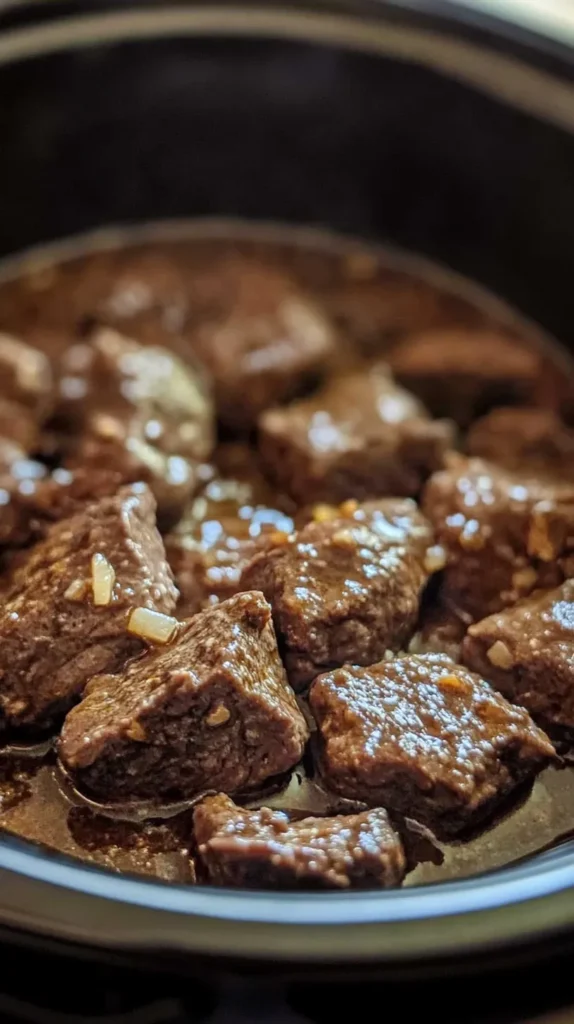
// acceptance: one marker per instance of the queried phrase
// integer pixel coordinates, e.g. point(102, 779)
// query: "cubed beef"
point(361, 436)
point(462, 373)
point(25, 377)
point(424, 737)
point(138, 410)
point(260, 339)
point(20, 479)
point(528, 653)
point(528, 439)
point(57, 627)
point(212, 710)
point(504, 534)
point(345, 589)
point(223, 526)
point(263, 849)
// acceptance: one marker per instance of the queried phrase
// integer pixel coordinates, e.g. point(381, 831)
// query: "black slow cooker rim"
point(48, 893)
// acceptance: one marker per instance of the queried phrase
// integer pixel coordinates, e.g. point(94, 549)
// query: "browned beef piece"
point(25, 381)
point(140, 411)
point(528, 439)
point(528, 653)
point(53, 636)
point(20, 480)
point(212, 710)
point(462, 373)
point(504, 533)
point(263, 849)
point(223, 527)
point(346, 589)
point(361, 436)
point(426, 738)
point(258, 336)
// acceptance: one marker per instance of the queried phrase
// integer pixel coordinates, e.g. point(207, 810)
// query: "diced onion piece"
point(218, 716)
point(152, 626)
point(435, 558)
point(103, 579)
point(499, 655)
point(76, 591)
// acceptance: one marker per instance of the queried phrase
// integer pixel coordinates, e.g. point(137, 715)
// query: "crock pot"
point(438, 127)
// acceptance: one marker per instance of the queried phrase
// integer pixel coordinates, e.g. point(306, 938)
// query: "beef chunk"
point(504, 533)
point(212, 710)
point(528, 439)
point(426, 738)
point(260, 339)
point(361, 436)
point(25, 377)
point(345, 589)
point(138, 410)
point(462, 373)
point(20, 479)
point(263, 849)
point(223, 527)
point(53, 635)
point(528, 653)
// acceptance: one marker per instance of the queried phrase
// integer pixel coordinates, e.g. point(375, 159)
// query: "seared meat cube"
point(527, 652)
point(25, 379)
point(528, 439)
point(260, 339)
point(426, 738)
point(346, 589)
point(504, 533)
point(462, 373)
point(361, 436)
point(138, 410)
point(66, 611)
point(212, 710)
point(224, 525)
point(20, 479)
point(263, 849)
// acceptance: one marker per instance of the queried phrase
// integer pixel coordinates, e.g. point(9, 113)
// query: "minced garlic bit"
point(136, 732)
point(325, 513)
point(539, 544)
point(219, 716)
point(452, 682)
point(348, 508)
point(435, 558)
point(524, 579)
point(152, 626)
point(499, 655)
point(103, 579)
point(76, 591)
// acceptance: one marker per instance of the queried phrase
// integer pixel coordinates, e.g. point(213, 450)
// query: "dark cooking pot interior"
point(297, 132)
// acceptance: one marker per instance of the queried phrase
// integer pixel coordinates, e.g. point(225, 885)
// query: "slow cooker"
point(446, 129)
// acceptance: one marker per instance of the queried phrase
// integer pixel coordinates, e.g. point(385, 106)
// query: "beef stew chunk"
point(140, 411)
point(26, 390)
point(345, 589)
point(462, 373)
point(527, 652)
point(528, 439)
point(211, 710)
point(361, 436)
point(258, 336)
point(264, 849)
point(520, 527)
point(231, 515)
point(426, 738)
point(60, 625)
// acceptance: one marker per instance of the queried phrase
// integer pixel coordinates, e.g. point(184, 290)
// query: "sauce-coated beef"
point(211, 710)
point(345, 589)
point(424, 737)
point(361, 436)
point(264, 849)
point(53, 637)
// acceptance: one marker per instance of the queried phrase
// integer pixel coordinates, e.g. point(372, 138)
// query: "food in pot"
point(270, 617)
point(263, 848)
point(425, 738)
